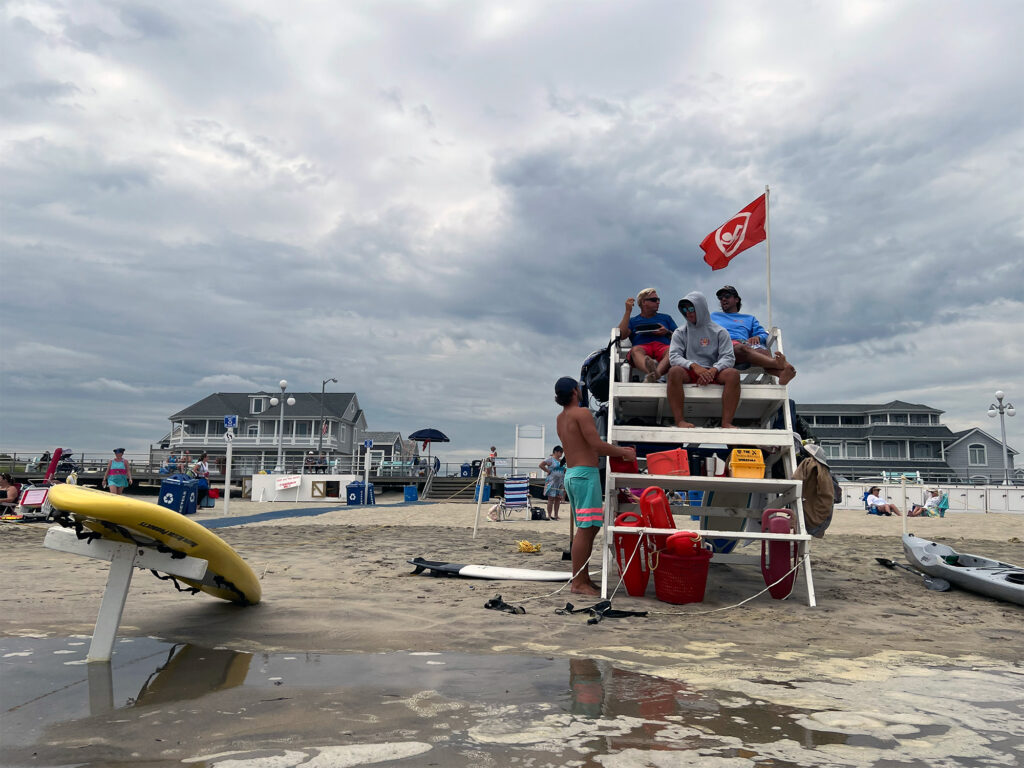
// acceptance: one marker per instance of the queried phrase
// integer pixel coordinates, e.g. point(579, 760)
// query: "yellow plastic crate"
point(746, 462)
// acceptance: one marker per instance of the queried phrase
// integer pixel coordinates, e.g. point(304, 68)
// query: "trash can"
point(465, 471)
point(357, 494)
point(484, 490)
point(180, 493)
point(411, 493)
point(475, 471)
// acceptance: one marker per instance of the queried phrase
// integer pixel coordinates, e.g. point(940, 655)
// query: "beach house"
point(865, 441)
point(200, 427)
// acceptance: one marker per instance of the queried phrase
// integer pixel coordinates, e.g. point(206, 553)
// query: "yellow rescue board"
point(120, 518)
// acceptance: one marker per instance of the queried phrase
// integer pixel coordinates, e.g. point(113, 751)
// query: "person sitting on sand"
point(749, 337)
point(930, 508)
point(878, 505)
point(701, 353)
point(9, 493)
point(554, 465)
point(649, 332)
point(583, 446)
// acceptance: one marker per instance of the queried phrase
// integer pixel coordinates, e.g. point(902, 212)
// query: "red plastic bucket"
point(681, 579)
point(636, 575)
point(673, 462)
point(654, 505)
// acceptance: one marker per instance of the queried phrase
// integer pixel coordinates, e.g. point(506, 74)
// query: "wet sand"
point(339, 583)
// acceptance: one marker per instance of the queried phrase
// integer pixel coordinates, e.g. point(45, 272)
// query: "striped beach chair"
point(517, 497)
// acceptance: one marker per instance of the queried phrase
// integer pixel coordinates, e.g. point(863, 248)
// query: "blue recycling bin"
point(466, 471)
point(180, 493)
point(411, 493)
point(484, 491)
point(357, 494)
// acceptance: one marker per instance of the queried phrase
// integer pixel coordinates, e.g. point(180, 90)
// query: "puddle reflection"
point(453, 708)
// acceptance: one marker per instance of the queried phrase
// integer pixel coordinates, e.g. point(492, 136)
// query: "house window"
point(920, 418)
point(253, 430)
point(854, 421)
point(923, 450)
point(832, 450)
point(302, 429)
point(878, 418)
point(342, 430)
point(257, 405)
point(898, 418)
point(891, 449)
point(826, 420)
point(857, 450)
point(976, 455)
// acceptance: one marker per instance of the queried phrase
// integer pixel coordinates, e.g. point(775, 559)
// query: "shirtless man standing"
point(583, 446)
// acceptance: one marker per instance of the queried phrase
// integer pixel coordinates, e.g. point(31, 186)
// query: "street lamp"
point(1001, 409)
point(320, 441)
point(280, 423)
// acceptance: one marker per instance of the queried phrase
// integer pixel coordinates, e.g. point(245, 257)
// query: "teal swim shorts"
point(583, 487)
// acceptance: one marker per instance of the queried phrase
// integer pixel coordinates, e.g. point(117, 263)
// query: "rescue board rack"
point(761, 400)
point(124, 558)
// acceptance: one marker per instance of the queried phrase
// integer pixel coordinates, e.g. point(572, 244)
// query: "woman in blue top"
point(554, 486)
point(119, 473)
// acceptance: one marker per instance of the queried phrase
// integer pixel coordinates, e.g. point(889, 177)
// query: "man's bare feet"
point(729, 426)
point(586, 588)
point(684, 425)
point(787, 375)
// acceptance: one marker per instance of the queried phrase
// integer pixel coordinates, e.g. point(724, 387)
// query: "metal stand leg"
point(120, 579)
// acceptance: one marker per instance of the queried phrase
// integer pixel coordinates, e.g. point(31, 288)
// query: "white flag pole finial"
point(768, 240)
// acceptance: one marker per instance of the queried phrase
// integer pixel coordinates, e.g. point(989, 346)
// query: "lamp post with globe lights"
point(320, 440)
point(280, 423)
point(1008, 410)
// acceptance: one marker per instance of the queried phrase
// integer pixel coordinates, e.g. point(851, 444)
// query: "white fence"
point(962, 498)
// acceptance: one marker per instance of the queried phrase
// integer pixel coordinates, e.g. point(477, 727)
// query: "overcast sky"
point(445, 204)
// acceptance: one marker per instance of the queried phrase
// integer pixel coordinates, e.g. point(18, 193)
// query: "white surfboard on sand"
point(494, 572)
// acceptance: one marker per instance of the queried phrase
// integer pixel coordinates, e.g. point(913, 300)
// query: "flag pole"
point(768, 240)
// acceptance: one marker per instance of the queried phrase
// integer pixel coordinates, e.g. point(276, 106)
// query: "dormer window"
point(257, 404)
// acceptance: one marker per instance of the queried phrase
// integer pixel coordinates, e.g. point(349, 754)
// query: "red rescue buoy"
point(654, 505)
point(631, 558)
point(778, 558)
point(684, 543)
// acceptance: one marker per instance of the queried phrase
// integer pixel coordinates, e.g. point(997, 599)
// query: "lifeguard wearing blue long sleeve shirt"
point(749, 338)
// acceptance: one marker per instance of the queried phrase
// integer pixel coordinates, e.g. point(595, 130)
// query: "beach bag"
point(536, 513)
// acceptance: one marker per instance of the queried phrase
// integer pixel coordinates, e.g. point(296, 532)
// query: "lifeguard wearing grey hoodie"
point(705, 343)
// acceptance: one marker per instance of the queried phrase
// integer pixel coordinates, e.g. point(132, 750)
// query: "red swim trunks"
point(689, 377)
point(654, 349)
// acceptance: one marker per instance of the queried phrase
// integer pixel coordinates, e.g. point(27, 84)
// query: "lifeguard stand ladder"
point(760, 401)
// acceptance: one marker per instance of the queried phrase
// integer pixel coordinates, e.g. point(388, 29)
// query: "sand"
point(875, 660)
point(339, 582)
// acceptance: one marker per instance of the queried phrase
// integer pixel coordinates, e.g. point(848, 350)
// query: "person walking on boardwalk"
point(701, 353)
point(119, 473)
point(583, 446)
point(649, 333)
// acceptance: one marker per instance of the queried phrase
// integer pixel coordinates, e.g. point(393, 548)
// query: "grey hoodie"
point(706, 343)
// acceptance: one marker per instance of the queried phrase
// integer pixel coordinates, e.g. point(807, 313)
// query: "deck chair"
point(517, 497)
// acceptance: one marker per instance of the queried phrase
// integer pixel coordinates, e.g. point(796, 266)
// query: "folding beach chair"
point(517, 497)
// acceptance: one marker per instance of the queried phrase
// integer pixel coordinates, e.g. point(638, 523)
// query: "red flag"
point(323, 428)
point(740, 232)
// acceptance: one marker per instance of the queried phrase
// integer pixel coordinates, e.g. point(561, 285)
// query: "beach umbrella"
point(428, 436)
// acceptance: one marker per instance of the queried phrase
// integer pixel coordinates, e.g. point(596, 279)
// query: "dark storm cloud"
point(446, 206)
